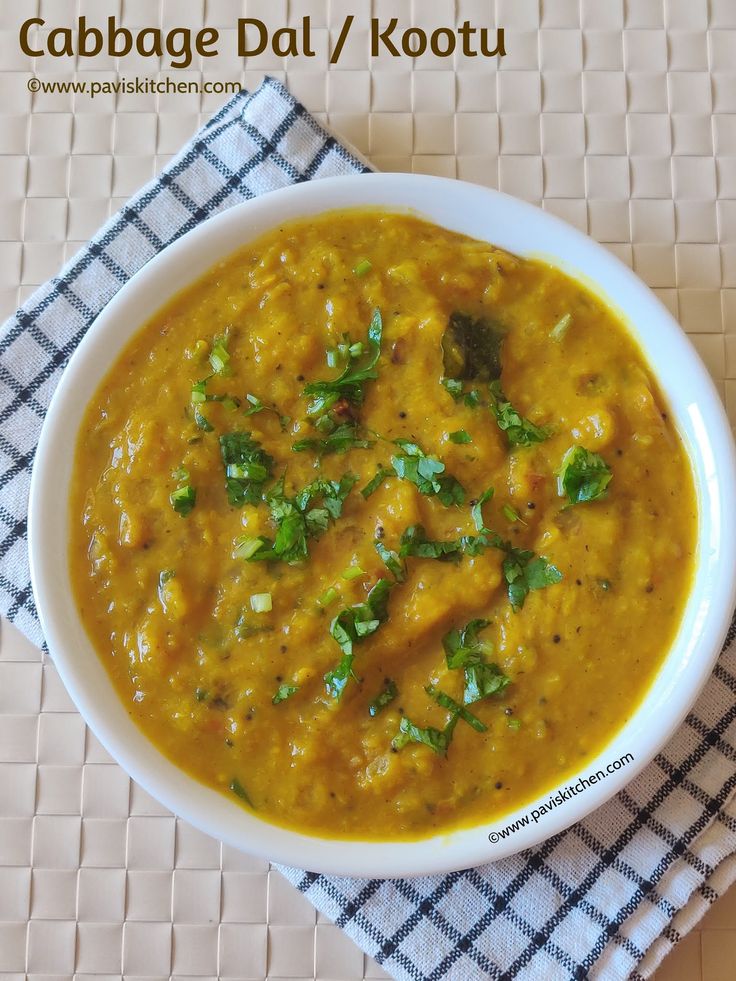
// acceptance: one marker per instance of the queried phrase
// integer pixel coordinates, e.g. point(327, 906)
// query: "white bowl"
point(522, 229)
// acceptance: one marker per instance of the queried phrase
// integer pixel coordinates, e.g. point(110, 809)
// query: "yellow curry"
point(381, 530)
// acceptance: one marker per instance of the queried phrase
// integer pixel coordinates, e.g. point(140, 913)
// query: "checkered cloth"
point(606, 898)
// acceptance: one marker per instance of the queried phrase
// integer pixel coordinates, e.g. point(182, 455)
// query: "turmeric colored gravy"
point(348, 634)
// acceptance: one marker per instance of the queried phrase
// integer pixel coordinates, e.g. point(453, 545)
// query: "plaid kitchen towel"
point(608, 897)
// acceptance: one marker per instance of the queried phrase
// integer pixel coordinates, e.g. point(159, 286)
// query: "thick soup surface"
point(310, 599)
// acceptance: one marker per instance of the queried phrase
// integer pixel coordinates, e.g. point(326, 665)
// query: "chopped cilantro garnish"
point(201, 694)
point(363, 267)
point(349, 384)
point(476, 510)
point(183, 499)
point(180, 474)
point(414, 542)
point(256, 405)
point(298, 520)
point(239, 790)
point(460, 436)
point(443, 699)
point(200, 396)
point(454, 386)
point(344, 437)
point(338, 433)
point(482, 680)
point(464, 649)
point(472, 398)
point(329, 596)
point(332, 492)
point(247, 468)
point(219, 356)
point(384, 698)
point(283, 692)
point(511, 514)
point(375, 482)
point(463, 646)
point(519, 431)
point(202, 421)
point(352, 572)
point(391, 560)
point(199, 391)
point(438, 740)
point(525, 571)
point(427, 473)
point(353, 625)
point(583, 476)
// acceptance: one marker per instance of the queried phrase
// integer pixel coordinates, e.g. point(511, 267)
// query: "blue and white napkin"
point(605, 899)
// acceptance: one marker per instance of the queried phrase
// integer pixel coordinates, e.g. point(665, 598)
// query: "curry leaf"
point(471, 348)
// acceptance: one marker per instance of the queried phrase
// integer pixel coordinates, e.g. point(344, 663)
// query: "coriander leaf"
point(583, 476)
point(202, 421)
point(460, 436)
point(219, 356)
point(482, 680)
point(384, 698)
point(427, 473)
point(472, 398)
point(414, 542)
point(525, 571)
point(283, 692)
point(349, 384)
point(519, 431)
point(297, 520)
point(454, 386)
point(183, 499)
point(343, 438)
point(443, 699)
point(332, 492)
point(476, 510)
point(511, 514)
point(256, 405)
point(353, 625)
point(247, 468)
point(375, 482)
point(390, 560)
point(471, 348)
point(451, 491)
point(239, 790)
point(463, 647)
point(438, 740)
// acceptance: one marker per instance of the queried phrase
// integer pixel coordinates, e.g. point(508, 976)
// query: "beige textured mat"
point(619, 117)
